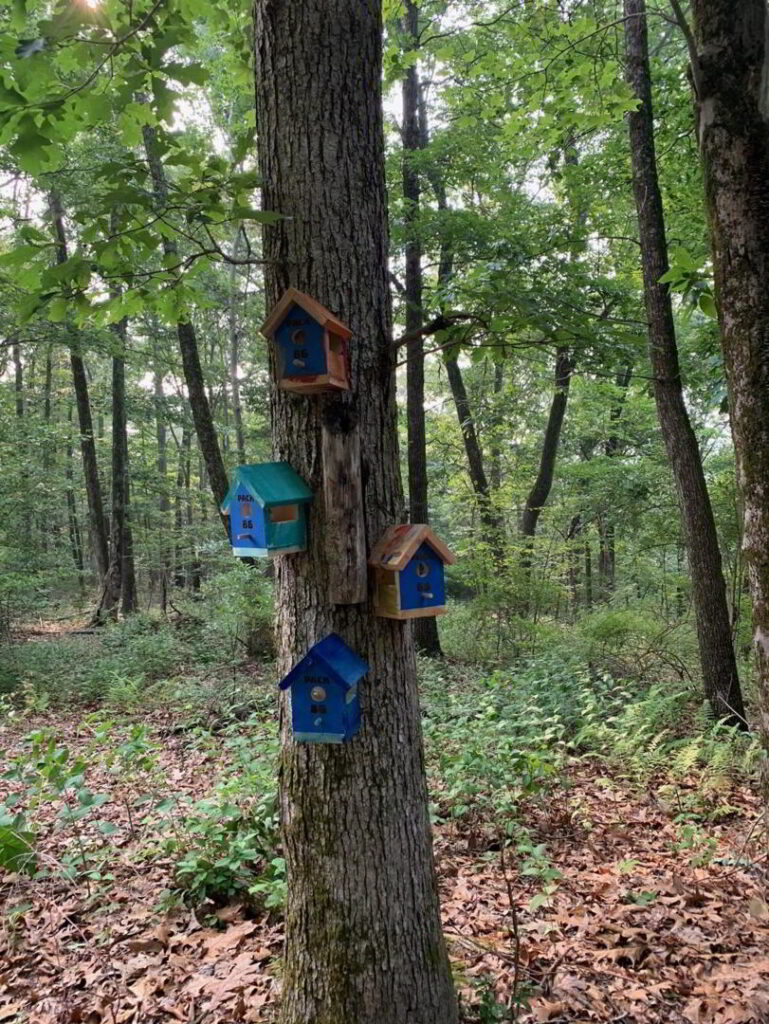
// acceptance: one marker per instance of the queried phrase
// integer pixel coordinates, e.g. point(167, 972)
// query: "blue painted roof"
point(334, 654)
point(271, 483)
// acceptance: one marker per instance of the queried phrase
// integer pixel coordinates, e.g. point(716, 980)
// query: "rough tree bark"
point(363, 935)
point(719, 667)
point(87, 444)
point(188, 344)
point(425, 630)
point(731, 78)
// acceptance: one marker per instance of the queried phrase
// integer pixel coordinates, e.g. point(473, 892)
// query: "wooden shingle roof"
point(319, 313)
point(399, 543)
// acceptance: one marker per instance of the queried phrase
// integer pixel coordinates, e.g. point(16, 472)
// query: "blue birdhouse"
point(325, 704)
point(409, 576)
point(267, 509)
point(310, 345)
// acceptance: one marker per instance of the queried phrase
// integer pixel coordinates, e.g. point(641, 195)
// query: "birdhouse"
point(325, 704)
point(409, 578)
point(267, 509)
point(310, 345)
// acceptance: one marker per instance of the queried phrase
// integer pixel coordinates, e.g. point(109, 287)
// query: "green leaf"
point(708, 305)
point(187, 74)
point(17, 850)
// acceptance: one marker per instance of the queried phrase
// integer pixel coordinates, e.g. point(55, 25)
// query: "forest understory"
point(574, 886)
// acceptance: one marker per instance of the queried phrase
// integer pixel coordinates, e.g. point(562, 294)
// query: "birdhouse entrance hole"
point(284, 513)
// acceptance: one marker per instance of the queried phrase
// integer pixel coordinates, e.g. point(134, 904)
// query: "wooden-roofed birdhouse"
point(325, 703)
point(267, 509)
point(409, 572)
point(310, 345)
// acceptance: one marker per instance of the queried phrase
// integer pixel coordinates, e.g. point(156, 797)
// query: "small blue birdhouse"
point(310, 345)
point(325, 704)
point(409, 576)
point(267, 509)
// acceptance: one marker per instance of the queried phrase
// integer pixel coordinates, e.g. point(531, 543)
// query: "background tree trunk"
point(87, 444)
point(535, 502)
point(188, 345)
point(719, 666)
point(425, 630)
point(363, 936)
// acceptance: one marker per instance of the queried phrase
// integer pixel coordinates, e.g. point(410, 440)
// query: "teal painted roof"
point(271, 483)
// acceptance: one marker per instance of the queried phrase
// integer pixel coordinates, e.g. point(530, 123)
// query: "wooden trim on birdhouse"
point(313, 385)
point(318, 312)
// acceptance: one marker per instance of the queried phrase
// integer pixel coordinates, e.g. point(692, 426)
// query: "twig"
point(514, 933)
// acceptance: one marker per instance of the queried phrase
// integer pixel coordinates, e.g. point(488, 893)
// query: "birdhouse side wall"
point(290, 534)
point(422, 581)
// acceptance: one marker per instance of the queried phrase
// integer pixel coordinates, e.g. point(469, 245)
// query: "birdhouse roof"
point(399, 544)
point(309, 305)
point(271, 483)
point(332, 654)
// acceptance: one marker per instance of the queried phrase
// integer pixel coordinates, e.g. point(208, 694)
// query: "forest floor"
point(621, 912)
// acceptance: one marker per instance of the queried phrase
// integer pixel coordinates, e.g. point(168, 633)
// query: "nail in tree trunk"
point(87, 444)
point(359, 946)
point(188, 344)
point(719, 667)
point(425, 630)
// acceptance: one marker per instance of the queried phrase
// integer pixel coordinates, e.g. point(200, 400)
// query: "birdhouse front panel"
point(247, 526)
point(322, 709)
point(421, 582)
point(301, 345)
point(325, 706)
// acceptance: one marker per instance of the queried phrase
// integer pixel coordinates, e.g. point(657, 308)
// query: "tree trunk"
point(359, 946)
point(490, 519)
point(188, 345)
point(607, 566)
point(425, 630)
point(112, 583)
point(164, 504)
point(237, 409)
point(75, 540)
point(733, 133)
point(540, 492)
point(87, 444)
point(719, 667)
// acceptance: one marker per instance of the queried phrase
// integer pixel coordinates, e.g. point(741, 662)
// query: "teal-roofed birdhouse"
point(310, 345)
point(409, 577)
point(325, 703)
point(267, 508)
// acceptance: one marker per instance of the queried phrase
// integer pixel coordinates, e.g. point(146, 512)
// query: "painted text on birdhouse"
point(325, 703)
point(310, 345)
point(267, 508)
point(408, 563)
